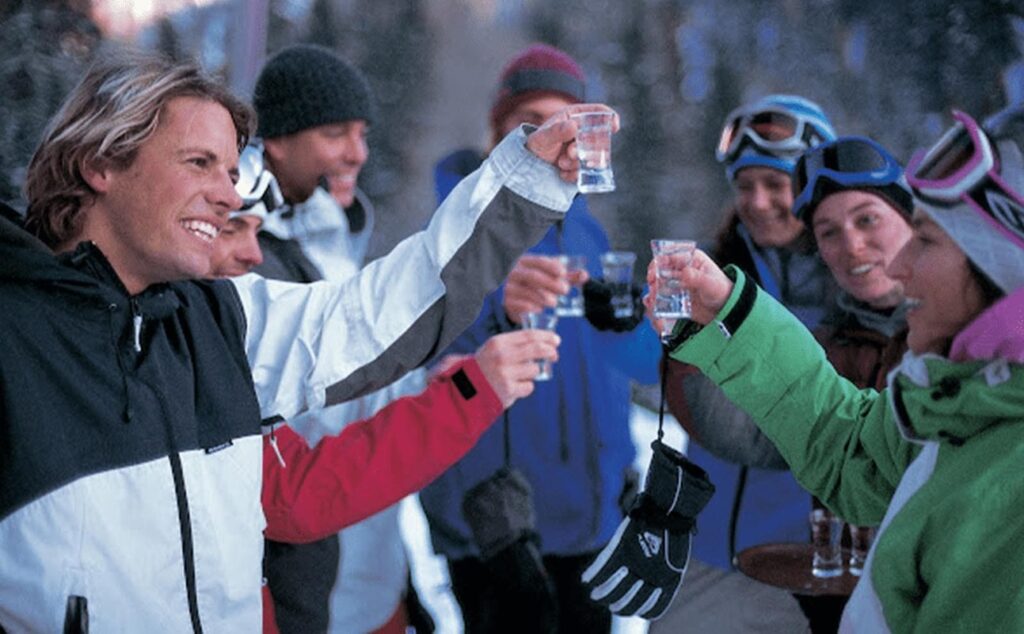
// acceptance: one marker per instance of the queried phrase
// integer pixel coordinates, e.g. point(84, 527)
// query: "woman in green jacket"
point(935, 457)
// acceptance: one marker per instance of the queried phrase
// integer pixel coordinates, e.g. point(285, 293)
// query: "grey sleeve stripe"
point(508, 226)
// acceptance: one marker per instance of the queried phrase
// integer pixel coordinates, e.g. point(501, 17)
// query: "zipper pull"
point(277, 452)
point(76, 615)
point(137, 325)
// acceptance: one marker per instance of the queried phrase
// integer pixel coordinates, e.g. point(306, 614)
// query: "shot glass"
point(594, 146)
point(543, 321)
point(571, 304)
point(826, 535)
point(672, 301)
point(617, 271)
point(860, 543)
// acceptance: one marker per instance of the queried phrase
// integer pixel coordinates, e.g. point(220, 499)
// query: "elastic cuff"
point(531, 177)
point(739, 305)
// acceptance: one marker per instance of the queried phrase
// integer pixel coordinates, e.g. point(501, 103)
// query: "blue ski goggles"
point(850, 162)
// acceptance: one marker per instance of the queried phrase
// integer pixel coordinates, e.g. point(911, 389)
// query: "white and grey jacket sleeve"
point(310, 345)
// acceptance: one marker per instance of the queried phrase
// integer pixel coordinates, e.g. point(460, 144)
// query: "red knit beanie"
point(539, 69)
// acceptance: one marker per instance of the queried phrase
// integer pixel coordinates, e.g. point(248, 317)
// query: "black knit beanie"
point(305, 86)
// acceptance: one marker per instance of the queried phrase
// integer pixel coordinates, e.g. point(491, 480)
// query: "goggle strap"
point(1007, 217)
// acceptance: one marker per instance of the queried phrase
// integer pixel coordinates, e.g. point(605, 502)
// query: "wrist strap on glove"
point(675, 492)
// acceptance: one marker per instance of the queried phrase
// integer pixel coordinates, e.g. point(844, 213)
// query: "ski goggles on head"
point(256, 184)
point(770, 130)
point(848, 162)
point(962, 167)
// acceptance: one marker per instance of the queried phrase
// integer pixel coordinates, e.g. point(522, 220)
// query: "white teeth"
point(862, 269)
point(912, 302)
point(201, 229)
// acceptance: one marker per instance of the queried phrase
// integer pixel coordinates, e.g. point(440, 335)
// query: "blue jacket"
point(571, 437)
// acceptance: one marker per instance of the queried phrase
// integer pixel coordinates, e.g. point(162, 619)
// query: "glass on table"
point(827, 536)
point(860, 543)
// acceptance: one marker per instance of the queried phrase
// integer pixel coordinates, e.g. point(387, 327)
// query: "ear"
point(97, 174)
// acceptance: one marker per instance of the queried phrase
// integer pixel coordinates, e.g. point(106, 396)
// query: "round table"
point(788, 566)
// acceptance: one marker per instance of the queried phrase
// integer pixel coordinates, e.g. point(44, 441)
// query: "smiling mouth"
point(203, 230)
point(342, 180)
point(862, 269)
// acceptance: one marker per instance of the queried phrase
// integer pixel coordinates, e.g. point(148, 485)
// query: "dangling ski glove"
point(500, 513)
point(642, 567)
point(597, 306)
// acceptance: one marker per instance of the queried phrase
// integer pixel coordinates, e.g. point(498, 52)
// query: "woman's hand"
point(709, 286)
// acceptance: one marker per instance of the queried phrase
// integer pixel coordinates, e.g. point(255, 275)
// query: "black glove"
point(642, 567)
point(597, 306)
point(500, 513)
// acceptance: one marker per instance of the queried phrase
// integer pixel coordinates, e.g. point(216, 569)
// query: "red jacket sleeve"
point(373, 463)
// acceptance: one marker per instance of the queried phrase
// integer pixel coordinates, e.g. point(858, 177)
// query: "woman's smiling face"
point(858, 234)
point(937, 280)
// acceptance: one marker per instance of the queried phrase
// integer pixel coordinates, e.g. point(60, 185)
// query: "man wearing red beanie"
point(538, 72)
point(570, 439)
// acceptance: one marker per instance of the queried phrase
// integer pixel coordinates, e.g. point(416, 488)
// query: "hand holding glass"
point(594, 148)
point(671, 301)
point(543, 321)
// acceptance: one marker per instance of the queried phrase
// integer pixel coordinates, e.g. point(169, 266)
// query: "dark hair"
point(990, 291)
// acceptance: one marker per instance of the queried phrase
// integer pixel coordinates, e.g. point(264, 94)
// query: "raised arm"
point(316, 344)
point(840, 442)
point(311, 493)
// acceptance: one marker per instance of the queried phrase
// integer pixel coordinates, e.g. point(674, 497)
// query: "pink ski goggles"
point(963, 167)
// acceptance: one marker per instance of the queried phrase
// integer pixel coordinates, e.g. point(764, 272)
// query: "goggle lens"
point(774, 126)
point(850, 157)
point(847, 162)
point(947, 158)
point(769, 130)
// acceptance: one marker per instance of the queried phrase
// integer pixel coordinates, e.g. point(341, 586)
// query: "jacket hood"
point(997, 333)
point(84, 272)
point(22, 255)
point(934, 398)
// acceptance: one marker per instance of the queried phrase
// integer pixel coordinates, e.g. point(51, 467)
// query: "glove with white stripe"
point(642, 567)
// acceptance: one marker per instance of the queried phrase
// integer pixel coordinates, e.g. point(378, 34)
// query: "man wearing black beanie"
point(314, 111)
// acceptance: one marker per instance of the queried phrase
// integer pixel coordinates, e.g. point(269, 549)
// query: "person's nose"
point(899, 269)
point(224, 196)
point(250, 253)
point(853, 241)
point(354, 150)
point(760, 200)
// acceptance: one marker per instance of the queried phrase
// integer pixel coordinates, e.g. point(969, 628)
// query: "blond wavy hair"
point(106, 118)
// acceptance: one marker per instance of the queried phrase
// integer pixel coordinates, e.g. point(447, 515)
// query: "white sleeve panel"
point(302, 339)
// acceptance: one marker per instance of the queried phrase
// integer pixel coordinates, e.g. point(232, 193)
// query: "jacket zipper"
point(184, 516)
point(187, 550)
